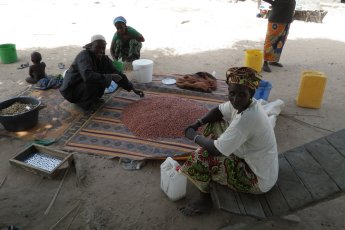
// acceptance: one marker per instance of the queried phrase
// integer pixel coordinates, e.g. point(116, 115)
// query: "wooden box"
point(42, 160)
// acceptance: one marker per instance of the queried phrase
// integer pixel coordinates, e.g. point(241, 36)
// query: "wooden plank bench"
point(307, 174)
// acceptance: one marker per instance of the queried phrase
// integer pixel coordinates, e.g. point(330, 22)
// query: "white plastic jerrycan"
point(173, 183)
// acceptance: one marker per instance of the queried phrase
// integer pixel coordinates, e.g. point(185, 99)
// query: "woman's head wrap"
point(243, 76)
point(120, 19)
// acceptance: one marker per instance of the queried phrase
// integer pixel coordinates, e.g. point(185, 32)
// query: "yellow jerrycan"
point(311, 89)
point(254, 59)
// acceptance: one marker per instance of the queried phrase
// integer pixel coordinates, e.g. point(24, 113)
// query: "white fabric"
point(97, 37)
point(250, 136)
point(272, 109)
point(64, 73)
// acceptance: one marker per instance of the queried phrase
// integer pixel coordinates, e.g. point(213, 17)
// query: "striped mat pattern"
point(105, 134)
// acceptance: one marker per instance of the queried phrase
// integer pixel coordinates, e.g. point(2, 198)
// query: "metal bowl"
point(20, 121)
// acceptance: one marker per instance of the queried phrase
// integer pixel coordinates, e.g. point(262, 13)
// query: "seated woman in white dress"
point(238, 148)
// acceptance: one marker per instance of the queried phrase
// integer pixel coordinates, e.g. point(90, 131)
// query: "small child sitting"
point(37, 70)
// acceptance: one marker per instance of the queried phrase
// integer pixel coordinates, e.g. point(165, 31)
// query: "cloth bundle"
point(113, 86)
point(200, 81)
point(49, 82)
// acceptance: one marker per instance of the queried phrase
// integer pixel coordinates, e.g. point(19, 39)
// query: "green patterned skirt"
point(202, 168)
point(131, 51)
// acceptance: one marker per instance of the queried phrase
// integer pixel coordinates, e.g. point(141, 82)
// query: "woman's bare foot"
point(265, 67)
point(200, 206)
point(276, 64)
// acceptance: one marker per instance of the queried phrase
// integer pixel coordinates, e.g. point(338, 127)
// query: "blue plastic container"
point(263, 91)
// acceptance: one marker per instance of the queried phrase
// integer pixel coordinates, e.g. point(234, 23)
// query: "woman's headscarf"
point(120, 19)
point(243, 76)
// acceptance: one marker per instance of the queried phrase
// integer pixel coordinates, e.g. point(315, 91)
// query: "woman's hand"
point(195, 126)
point(190, 133)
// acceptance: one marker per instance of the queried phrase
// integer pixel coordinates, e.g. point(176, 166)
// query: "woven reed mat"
point(105, 134)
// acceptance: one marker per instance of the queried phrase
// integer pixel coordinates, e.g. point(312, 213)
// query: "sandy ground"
point(181, 37)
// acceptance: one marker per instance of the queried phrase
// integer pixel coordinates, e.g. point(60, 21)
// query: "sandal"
point(22, 66)
point(275, 64)
point(130, 164)
point(61, 65)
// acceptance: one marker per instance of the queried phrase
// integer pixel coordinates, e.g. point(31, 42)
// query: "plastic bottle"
point(173, 183)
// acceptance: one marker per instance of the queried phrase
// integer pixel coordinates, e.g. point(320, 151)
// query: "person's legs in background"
point(121, 52)
point(276, 36)
point(134, 50)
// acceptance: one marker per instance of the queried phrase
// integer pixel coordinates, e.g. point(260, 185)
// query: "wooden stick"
point(64, 216)
point(3, 181)
point(56, 193)
point(75, 215)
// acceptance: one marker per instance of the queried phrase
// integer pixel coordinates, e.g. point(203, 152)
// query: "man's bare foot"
point(276, 64)
point(139, 92)
point(201, 206)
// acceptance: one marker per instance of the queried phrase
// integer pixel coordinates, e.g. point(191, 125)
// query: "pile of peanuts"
point(161, 116)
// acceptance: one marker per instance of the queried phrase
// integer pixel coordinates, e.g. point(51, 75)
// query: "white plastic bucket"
point(173, 183)
point(143, 69)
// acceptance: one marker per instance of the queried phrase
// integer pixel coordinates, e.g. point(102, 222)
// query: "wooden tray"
point(64, 158)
